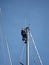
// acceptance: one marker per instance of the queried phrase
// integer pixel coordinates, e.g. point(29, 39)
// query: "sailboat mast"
point(27, 51)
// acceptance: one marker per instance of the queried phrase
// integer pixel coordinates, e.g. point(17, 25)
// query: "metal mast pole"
point(27, 50)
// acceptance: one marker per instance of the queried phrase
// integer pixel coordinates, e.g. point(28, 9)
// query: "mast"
point(25, 38)
point(27, 50)
point(25, 32)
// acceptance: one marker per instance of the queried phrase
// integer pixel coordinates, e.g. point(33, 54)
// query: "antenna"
point(25, 21)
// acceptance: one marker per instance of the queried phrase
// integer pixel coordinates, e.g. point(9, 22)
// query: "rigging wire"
point(36, 49)
point(0, 11)
point(2, 39)
point(33, 56)
point(2, 46)
point(21, 56)
point(34, 59)
point(8, 51)
point(7, 45)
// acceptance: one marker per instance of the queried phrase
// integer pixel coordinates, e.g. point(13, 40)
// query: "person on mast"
point(24, 34)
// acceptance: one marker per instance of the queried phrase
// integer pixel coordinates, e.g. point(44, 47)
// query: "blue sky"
point(12, 20)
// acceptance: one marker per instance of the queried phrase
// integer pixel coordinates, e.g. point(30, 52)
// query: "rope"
point(36, 49)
